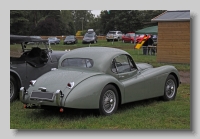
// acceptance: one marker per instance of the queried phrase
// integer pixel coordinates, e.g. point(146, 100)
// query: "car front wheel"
point(13, 89)
point(170, 89)
point(108, 102)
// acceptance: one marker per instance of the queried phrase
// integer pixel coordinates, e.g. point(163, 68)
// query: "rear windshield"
point(89, 35)
point(111, 32)
point(69, 37)
point(77, 62)
point(52, 38)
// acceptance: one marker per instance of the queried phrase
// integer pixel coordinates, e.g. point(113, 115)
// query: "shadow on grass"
point(75, 114)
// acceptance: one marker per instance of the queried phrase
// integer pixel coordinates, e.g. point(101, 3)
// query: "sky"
point(96, 12)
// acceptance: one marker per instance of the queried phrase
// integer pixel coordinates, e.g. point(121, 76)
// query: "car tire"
point(109, 97)
point(107, 40)
point(170, 89)
point(13, 89)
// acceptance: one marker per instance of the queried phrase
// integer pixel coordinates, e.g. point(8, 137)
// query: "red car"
point(128, 37)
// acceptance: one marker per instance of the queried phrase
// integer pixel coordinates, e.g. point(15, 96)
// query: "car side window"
point(122, 64)
point(113, 67)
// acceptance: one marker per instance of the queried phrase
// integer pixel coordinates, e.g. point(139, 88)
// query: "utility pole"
point(82, 22)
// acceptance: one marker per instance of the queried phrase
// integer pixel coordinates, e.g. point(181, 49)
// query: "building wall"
point(173, 42)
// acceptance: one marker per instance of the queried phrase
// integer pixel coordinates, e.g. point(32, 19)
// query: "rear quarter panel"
point(87, 93)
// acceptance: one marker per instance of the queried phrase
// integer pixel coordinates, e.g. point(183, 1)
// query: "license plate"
point(42, 96)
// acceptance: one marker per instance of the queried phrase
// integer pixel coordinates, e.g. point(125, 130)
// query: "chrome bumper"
point(27, 98)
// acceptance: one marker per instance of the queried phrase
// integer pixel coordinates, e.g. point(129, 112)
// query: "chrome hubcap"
point(109, 101)
point(170, 88)
point(11, 89)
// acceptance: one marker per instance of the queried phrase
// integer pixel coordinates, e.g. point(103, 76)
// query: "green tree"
point(126, 20)
point(18, 22)
point(82, 19)
point(68, 23)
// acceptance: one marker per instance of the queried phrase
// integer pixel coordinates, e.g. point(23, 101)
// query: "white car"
point(114, 35)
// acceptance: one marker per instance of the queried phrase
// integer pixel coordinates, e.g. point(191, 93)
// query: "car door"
point(130, 77)
point(126, 37)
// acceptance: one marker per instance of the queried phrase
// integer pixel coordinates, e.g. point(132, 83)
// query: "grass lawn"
point(146, 114)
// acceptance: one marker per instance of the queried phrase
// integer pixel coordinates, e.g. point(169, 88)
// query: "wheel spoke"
point(170, 88)
point(109, 101)
point(11, 89)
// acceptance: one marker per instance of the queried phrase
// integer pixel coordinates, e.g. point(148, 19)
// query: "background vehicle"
point(89, 38)
point(91, 31)
point(114, 35)
point(100, 78)
point(128, 37)
point(154, 37)
point(71, 39)
point(53, 40)
point(34, 61)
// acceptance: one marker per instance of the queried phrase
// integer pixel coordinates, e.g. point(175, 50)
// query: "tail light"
point(32, 82)
point(70, 85)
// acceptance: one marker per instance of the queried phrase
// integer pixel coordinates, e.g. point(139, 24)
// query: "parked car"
point(128, 37)
point(114, 35)
point(71, 39)
point(34, 61)
point(53, 40)
point(91, 31)
point(89, 38)
point(99, 78)
point(155, 39)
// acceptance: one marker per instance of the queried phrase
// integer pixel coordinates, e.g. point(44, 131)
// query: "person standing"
point(150, 43)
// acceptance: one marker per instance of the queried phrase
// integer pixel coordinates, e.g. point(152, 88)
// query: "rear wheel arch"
point(109, 100)
point(118, 92)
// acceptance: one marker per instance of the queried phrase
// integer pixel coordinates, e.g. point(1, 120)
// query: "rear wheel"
point(108, 102)
point(170, 89)
point(13, 89)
